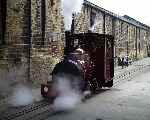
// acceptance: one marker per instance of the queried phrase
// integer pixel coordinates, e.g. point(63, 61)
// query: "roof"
point(124, 18)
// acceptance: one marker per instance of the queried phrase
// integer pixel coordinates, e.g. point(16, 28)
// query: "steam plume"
point(69, 7)
point(97, 22)
point(10, 77)
point(69, 97)
point(21, 96)
point(12, 84)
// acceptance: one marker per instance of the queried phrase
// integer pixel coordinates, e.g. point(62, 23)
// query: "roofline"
point(138, 21)
point(143, 26)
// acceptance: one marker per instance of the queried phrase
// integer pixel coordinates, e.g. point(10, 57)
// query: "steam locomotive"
point(88, 64)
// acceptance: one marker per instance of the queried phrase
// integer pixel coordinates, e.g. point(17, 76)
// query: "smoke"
point(13, 85)
point(95, 25)
point(69, 95)
point(21, 96)
point(69, 7)
point(24, 95)
point(93, 28)
point(9, 77)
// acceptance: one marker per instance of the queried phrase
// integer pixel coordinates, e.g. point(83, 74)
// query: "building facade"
point(32, 36)
point(131, 36)
point(32, 32)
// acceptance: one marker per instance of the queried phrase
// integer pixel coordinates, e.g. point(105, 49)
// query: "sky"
point(70, 6)
point(137, 9)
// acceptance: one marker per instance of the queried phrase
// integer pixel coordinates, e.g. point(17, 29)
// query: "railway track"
point(14, 112)
point(129, 74)
point(42, 110)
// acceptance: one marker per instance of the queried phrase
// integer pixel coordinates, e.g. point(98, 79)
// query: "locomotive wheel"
point(109, 84)
point(95, 86)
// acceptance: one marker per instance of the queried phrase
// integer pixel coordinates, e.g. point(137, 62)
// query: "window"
point(92, 18)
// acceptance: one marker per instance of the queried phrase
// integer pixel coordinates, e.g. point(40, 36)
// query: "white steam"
point(94, 27)
point(21, 96)
point(69, 7)
point(67, 102)
point(14, 86)
point(10, 77)
point(97, 22)
point(68, 97)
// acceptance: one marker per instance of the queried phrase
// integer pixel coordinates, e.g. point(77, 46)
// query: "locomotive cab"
point(94, 66)
point(100, 49)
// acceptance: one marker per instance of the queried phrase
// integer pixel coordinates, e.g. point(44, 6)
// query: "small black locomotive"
point(88, 57)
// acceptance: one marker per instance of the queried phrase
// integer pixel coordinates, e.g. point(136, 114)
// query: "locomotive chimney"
point(68, 39)
point(73, 23)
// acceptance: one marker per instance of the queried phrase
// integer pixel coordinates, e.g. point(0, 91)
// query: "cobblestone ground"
point(129, 100)
point(125, 101)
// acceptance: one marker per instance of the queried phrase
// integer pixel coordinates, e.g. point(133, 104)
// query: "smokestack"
point(72, 25)
point(70, 7)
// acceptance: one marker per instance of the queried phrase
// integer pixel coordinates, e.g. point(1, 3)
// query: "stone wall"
point(15, 21)
point(45, 57)
point(46, 33)
point(43, 26)
point(1, 23)
point(2, 20)
point(36, 8)
point(131, 38)
point(82, 21)
point(42, 64)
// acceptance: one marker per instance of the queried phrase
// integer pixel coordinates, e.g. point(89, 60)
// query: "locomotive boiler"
point(88, 64)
